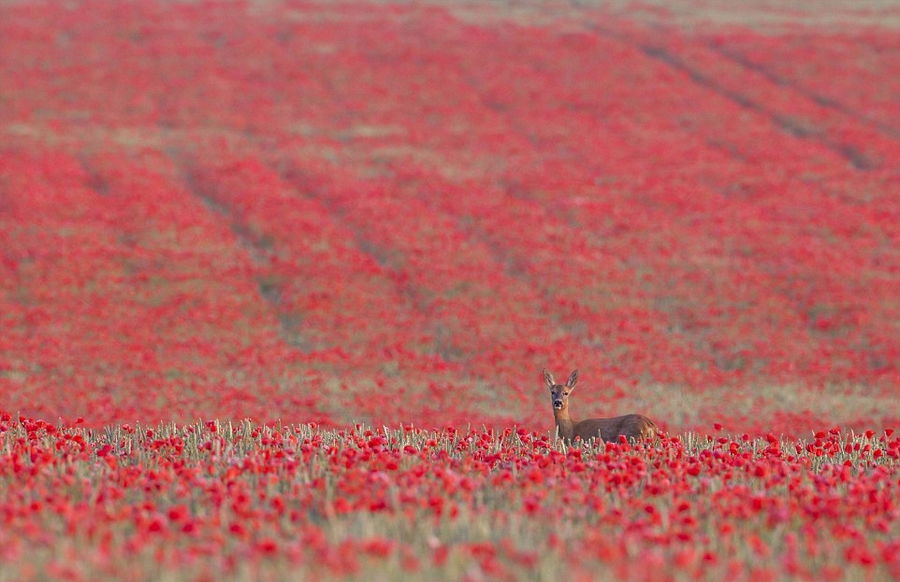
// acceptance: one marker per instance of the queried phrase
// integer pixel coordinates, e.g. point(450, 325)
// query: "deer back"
point(632, 426)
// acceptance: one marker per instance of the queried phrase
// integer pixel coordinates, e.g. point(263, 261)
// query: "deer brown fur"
point(632, 426)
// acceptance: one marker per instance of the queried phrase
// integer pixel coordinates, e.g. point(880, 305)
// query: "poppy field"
point(278, 279)
point(241, 501)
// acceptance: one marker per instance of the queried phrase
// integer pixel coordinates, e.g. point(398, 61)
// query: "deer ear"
point(548, 378)
point(573, 378)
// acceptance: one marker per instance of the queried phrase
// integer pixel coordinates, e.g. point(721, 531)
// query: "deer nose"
point(557, 404)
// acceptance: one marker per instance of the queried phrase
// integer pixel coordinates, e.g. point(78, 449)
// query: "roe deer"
point(632, 426)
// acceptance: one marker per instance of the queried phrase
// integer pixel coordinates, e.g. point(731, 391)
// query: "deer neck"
point(565, 426)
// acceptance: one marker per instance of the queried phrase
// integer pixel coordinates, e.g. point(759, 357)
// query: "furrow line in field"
point(805, 92)
point(856, 68)
point(195, 282)
point(657, 51)
point(100, 264)
point(259, 249)
point(312, 256)
point(68, 294)
point(368, 334)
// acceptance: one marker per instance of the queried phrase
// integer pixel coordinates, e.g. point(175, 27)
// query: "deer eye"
point(565, 393)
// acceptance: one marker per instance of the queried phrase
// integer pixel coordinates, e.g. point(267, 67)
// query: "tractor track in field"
point(260, 255)
point(858, 159)
point(818, 98)
point(315, 188)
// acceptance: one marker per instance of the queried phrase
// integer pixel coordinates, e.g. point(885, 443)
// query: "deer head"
point(559, 393)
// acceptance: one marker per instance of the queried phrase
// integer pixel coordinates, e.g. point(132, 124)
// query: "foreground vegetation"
point(242, 501)
point(283, 209)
